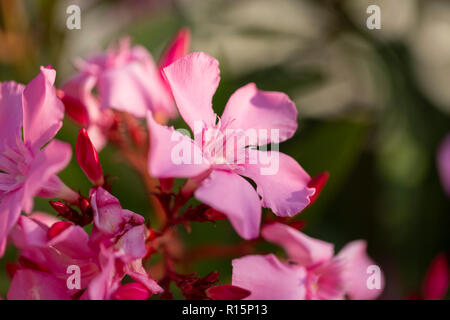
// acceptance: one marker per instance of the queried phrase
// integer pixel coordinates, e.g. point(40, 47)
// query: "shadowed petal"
point(10, 112)
point(167, 158)
point(355, 271)
point(235, 197)
point(50, 161)
point(269, 279)
point(300, 248)
point(281, 182)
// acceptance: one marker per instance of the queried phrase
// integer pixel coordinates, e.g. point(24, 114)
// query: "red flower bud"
point(177, 48)
point(227, 292)
point(318, 182)
point(57, 228)
point(75, 109)
point(62, 209)
point(131, 291)
point(87, 158)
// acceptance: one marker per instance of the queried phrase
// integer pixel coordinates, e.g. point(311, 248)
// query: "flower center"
point(14, 165)
point(223, 148)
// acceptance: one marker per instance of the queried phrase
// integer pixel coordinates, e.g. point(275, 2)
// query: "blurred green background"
point(373, 106)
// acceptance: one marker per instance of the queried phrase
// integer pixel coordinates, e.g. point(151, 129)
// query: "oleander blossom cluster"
point(95, 249)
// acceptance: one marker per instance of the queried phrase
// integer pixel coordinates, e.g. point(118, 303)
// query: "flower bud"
point(318, 182)
point(227, 292)
point(62, 209)
point(75, 109)
point(177, 48)
point(87, 158)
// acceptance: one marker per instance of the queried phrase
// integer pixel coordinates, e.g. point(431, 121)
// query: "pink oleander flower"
point(127, 79)
point(115, 248)
point(29, 161)
point(221, 152)
point(443, 161)
point(311, 271)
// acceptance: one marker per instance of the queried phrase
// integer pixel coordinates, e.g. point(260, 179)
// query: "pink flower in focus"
point(27, 168)
point(114, 249)
point(127, 79)
point(311, 272)
point(218, 182)
point(443, 162)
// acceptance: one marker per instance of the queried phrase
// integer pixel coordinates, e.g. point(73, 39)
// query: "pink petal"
point(235, 197)
point(42, 110)
point(133, 242)
point(178, 48)
point(131, 291)
point(44, 219)
point(107, 212)
point(282, 183)
point(29, 233)
point(325, 282)
point(436, 281)
point(355, 263)
point(300, 248)
point(55, 188)
point(106, 282)
point(135, 86)
point(165, 142)
point(10, 112)
point(443, 160)
point(250, 108)
point(10, 207)
point(269, 279)
point(73, 242)
point(48, 162)
point(194, 80)
point(80, 87)
point(35, 285)
point(136, 271)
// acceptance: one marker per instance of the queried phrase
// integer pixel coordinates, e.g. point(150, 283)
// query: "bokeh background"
point(373, 106)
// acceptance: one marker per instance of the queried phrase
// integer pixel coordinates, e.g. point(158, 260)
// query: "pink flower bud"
point(75, 109)
point(227, 292)
point(131, 291)
point(87, 158)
